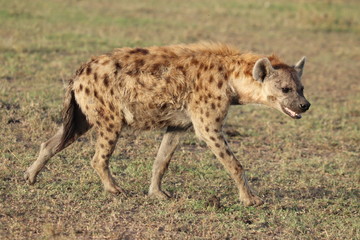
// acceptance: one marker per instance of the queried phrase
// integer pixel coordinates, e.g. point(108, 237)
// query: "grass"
point(307, 171)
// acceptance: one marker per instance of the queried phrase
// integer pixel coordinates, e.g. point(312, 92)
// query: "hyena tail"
point(75, 123)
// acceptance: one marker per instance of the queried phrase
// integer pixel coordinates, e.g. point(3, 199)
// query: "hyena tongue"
point(292, 113)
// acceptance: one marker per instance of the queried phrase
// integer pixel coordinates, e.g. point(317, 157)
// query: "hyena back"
point(172, 87)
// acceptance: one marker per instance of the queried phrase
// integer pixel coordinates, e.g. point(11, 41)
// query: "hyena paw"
point(159, 195)
point(29, 178)
point(252, 200)
point(114, 189)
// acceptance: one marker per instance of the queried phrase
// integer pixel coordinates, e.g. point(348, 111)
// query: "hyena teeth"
point(292, 113)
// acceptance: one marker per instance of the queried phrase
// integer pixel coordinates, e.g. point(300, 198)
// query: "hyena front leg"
point(105, 146)
point(167, 148)
point(211, 133)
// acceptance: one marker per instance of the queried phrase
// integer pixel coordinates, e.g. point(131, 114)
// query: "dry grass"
point(307, 170)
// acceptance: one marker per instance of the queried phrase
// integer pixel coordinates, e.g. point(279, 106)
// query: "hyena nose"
point(305, 106)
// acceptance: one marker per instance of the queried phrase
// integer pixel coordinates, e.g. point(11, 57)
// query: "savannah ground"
point(307, 171)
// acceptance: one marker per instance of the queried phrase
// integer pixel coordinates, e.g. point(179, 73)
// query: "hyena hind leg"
point(167, 148)
point(47, 150)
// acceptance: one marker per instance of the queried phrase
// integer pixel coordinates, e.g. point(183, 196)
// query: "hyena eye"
point(286, 90)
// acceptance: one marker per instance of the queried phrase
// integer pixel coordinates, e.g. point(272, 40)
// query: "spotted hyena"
point(172, 87)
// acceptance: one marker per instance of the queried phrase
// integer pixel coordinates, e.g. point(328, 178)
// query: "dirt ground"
point(307, 171)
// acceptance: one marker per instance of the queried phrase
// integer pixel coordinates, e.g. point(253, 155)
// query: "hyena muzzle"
point(172, 87)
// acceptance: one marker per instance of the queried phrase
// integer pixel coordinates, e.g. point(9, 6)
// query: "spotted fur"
point(172, 87)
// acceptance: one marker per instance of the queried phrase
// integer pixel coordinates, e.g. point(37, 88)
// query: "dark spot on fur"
point(167, 79)
point(102, 145)
point(140, 82)
point(112, 92)
point(105, 62)
point(107, 118)
point(101, 134)
point(108, 129)
point(155, 68)
point(118, 66)
point(103, 156)
point(194, 61)
point(163, 107)
point(228, 152)
point(220, 83)
point(211, 79)
point(151, 105)
point(207, 129)
point(220, 68)
point(101, 111)
point(181, 69)
point(95, 77)
point(217, 145)
point(217, 119)
point(201, 119)
point(88, 70)
point(207, 114)
point(133, 72)
point(111, 106)
point(98, 123)
point(111, 125)
point(222, 155)
point(106, 80)
point(212, 138)
point(81, 87)
point(102, 101)
point(139, 63)
point(271, 98)
point(112, 117)
point(213, 106)
point(96, 94)
point(219, 98)
point(198, 75)
point(87, 91)
point(142, 51)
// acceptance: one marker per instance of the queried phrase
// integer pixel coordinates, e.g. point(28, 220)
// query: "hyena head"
point(281, 85)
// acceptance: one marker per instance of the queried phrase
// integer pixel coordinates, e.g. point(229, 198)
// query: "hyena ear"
point(299, 66)
point(262, 69)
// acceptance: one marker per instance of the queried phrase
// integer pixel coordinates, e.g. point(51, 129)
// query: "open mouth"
point(291, 113)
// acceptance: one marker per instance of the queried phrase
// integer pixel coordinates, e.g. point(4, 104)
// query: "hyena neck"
point(244, 89)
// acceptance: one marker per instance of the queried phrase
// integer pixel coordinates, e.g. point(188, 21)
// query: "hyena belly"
point(141, 116)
